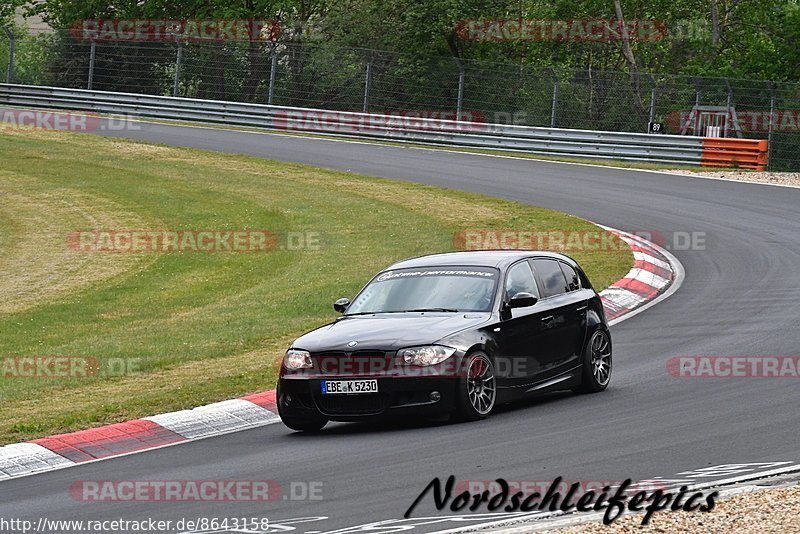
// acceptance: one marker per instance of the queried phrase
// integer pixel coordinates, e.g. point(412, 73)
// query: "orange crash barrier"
point(741, 153)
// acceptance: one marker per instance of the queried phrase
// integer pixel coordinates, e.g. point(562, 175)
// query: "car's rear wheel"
point(596, 368)
point(477, 389)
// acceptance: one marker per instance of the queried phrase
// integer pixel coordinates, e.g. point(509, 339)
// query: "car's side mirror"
point(522, 300)
point(341, 304)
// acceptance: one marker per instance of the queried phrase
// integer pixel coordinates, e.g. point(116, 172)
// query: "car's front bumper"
point(302, 398)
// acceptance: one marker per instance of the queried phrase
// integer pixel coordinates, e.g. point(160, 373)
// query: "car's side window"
point(573, 280)
point(553, 281)
point(520, 280)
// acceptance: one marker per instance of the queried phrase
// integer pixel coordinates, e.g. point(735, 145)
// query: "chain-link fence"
point(350, 79)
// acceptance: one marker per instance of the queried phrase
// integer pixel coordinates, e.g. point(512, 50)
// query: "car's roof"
point(475, 258)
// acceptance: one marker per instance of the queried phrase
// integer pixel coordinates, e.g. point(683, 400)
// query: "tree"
point(8, 9)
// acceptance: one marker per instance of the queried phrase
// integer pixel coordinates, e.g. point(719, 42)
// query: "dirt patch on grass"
point(36, 262)
point(414, 197)
point(127, 148)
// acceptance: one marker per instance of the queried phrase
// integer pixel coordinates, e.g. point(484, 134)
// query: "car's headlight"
point(297, 359)
point(430, 355)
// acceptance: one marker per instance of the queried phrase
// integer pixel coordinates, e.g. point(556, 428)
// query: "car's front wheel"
point(308, 423)
point(477, 389)
point(596, 368)
point(304, 425)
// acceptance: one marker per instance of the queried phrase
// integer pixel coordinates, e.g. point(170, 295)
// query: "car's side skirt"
point(552, 382)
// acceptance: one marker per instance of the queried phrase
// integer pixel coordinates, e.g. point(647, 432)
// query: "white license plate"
point(349, 387)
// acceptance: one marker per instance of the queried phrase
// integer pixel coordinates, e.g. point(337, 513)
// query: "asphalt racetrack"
point(740, 298)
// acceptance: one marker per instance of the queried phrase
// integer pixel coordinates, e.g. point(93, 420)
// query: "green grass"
point(202, 327)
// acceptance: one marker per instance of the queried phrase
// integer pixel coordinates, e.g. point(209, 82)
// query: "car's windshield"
point(428, 289)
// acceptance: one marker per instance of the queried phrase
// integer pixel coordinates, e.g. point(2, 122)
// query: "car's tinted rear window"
point(549, 273)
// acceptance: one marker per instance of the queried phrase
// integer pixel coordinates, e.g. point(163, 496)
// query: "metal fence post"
point(652, 116)
point(697, 105)
point(92, 54)
point(178, 61)
point(771, 124)
point(272, 72)
point(728, 104)
point(696, 92)
point(555, 97)
point(11, 44)
point(367, 84)
point(461, 79)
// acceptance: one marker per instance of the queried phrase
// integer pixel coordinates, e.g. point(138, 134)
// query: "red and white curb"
point(66, 450)
point(656, 274)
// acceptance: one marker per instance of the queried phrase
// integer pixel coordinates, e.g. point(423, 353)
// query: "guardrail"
point(673, 149)
point(744, 153)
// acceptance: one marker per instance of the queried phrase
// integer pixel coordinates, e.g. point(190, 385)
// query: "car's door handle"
point(581, 309)
point(547, 319)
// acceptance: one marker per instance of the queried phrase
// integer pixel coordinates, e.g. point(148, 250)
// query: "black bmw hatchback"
point(450, 334)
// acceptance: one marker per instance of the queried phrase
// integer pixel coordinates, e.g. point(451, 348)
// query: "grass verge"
point(198, 327)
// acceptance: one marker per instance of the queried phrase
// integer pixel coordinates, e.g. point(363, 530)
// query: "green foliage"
point(8, 8)
point(756, 38)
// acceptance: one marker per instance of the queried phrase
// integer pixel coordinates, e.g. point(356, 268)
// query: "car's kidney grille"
point(352, 404)
point(358, 363)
